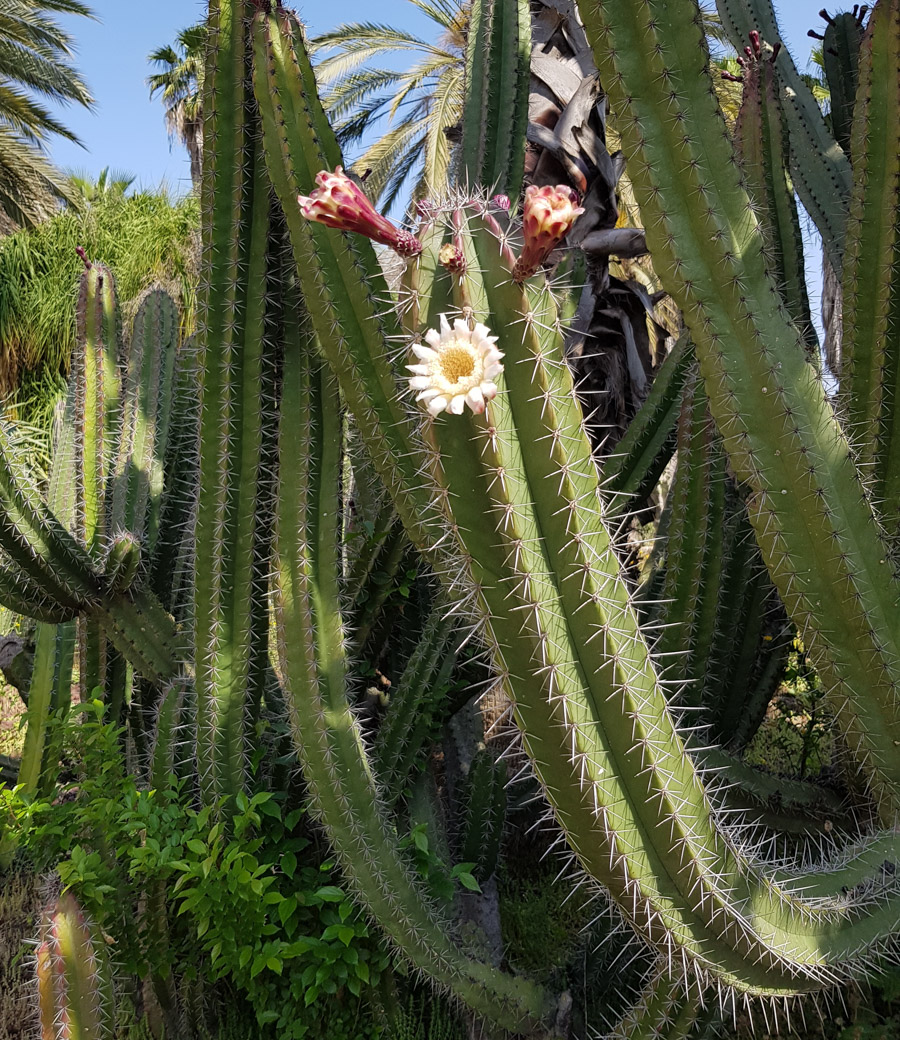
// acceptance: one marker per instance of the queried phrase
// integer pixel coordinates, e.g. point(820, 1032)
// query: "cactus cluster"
point(189, 550)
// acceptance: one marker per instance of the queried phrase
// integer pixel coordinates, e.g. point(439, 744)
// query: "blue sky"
point(126, 130)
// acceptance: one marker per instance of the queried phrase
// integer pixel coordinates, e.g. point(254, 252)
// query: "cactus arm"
point(51, 676)
point(229, 594)
point(819, 168)
point(74, 978)
point(409, 719)
point(819, 538)
point(495, 116)
point(840, 53)
point(664, 1011)
point(96, 380)
point(594, 718)
point(37, 543)
point(643, 453)
point(761, 144)
point(177, 508)
point(311, 647)
point(19, 594)
point(147, 408)
point(695, 546)
point(871, 284)
point(484, 814)
point(340, 277)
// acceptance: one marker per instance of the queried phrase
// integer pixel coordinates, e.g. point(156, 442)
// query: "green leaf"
point(289, 863)
point(330, 894)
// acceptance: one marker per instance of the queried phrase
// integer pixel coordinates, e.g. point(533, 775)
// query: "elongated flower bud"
point(340, 203)
point(546, 218)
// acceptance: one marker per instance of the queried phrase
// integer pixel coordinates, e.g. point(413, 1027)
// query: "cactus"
point(458, 389)
point(496, 107)
point(484, 814)
point(75, 992)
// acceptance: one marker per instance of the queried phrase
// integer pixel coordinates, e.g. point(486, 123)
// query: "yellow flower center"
point(457, 362)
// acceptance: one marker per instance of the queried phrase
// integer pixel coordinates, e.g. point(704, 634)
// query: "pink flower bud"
point(340, 203)
point(546, 218)
point(500, 202)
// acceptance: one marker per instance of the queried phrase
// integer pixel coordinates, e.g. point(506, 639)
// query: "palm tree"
point(421, 103)
point(35, 65)
point(85, 191)
point(180, 83)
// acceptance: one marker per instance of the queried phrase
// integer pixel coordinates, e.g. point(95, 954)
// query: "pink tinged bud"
point(546, 218)
point(340, 203)
point(452, 258)
point(500, 202)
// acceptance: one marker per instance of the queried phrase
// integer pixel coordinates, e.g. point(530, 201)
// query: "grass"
point(144, 238)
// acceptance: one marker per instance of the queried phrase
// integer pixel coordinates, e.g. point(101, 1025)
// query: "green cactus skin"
point(340, 275)
point(871, 320)
point(695, 546)
point(95, 373)
point(819, 537)
point(819, 168)
point(495, 116)
point(413, 710)
point(147, 407)
point(230, 600)
point(481, 832)
point(762, 145)
point(74, 978)
point(312, 653)
point(649, 442)
point(663, 1012)
point(594, 717)
point(171, 563)
point(840, 53)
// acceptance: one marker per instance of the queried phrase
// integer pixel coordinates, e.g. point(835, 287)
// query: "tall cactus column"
point(229, 594)
point(820, 539)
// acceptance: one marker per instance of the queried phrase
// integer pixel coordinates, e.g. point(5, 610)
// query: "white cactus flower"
point(457, 368)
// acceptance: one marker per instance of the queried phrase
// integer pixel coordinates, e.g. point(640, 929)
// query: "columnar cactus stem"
point(228, 593)
point(341, 280)
point(74, 982)
point(816, 528)
point(312, 652)
point(495, 116)
point(819, 168)
point(871, 320)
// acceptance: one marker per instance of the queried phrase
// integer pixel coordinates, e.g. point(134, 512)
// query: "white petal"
point(428, 393)
point(433, 337)
point(457, 404)
point(475, 400)
point(420, 370)
point(461, 328)
point(445, 326)
point(489, 390)
point(424, 353)
point(419, 382)
point(482, 332)
point(436, 405)
point(492, 371)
